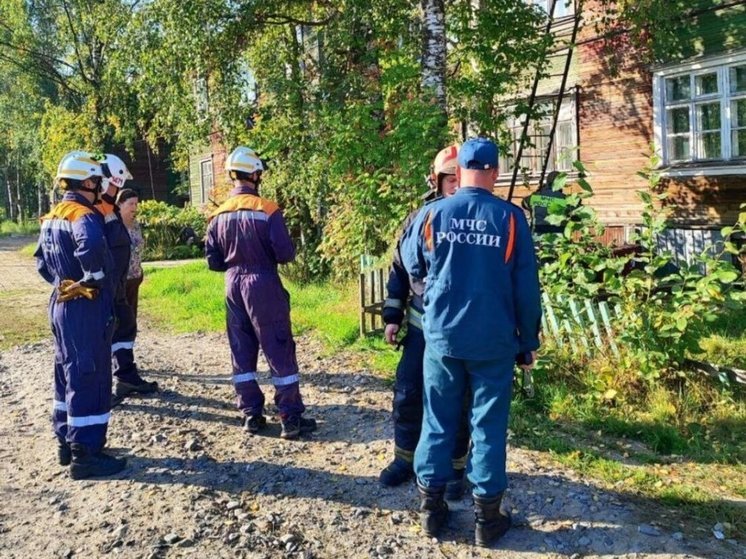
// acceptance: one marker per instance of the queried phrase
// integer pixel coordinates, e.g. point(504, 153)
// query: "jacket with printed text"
point(476, 255)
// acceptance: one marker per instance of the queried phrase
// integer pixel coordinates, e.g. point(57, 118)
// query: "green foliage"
point(162, 225)
point(663, 308)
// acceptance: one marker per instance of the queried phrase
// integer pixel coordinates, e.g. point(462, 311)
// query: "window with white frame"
point(205, 178)
point(700, 111)
point(563, 152)
point(562, 8)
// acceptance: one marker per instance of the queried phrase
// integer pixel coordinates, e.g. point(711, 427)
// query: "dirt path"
point(197, 486)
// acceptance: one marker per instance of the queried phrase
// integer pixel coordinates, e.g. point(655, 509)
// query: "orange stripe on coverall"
point(246, 202)
point(69, 211)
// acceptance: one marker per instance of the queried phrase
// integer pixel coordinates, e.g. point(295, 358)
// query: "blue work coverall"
point(404, 295)
point(72, 245)
point(247, 238)
point(482, 308)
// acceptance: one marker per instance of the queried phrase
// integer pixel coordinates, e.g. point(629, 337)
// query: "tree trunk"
point(11, 204)
point(434, 50)
point(19, 201)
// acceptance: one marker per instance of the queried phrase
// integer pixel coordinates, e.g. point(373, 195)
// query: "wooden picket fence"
point(372, 288)
point(585, 325)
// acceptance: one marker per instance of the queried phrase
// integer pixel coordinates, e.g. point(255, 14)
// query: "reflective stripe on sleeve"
point(284, 381)
point(60, 406)
point(393, 303)
point(93, 276)
point(244, 377)
point(414, 318)
point(122, 345)
point(88, 420)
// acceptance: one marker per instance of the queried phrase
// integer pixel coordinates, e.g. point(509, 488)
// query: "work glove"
point(69, 290)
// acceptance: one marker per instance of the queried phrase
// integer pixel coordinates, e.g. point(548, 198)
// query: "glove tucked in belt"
point(69, 290)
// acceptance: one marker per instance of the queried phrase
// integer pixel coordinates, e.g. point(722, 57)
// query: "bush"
point(164, 228)
point(663, 309)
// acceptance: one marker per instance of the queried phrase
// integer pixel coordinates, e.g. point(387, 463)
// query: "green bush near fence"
point(162, 225)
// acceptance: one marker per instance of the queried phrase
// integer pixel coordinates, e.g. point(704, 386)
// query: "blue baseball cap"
point(478, 153)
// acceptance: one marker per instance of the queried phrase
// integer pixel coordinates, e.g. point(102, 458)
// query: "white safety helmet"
point(244, 160)
point(114, 171)
point(77, 165)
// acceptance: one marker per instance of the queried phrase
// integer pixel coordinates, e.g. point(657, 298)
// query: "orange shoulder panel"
point(428, 232)
point(69, 210)
point(246, 202)
point(511, 239)
point(104, 208)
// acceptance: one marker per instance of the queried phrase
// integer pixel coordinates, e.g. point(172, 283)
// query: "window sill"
point(704, 169)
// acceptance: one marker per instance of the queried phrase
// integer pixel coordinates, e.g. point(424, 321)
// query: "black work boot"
point(455, 487)
point(254, 423)
point(491, 522)
point(433, 510)
point(64, 454)
point(293, 427)
point(87, 464)
point(137, 386)
point(396, 473)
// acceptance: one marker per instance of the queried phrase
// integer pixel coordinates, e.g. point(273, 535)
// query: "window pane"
point(708, 116)
point(711, 146)
point(738, 143)
point(738, 79)
point(678, 120)
point(678, 88)
point(679, 148)
point(706, 84)
point(738, 113)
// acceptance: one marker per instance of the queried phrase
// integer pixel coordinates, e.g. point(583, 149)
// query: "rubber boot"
point(396, 473)
point(64, 454)
point(87, 464)
point(455, 487)
point(491, 522)
point(433, 510)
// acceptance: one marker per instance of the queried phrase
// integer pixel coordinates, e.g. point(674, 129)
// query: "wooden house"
point(615, 109)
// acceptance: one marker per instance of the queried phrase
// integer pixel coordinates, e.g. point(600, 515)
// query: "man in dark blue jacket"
point(404, 296)
point(482, 309)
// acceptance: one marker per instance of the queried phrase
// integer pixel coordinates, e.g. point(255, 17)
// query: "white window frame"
point(563, 8)
point(515, 124)
point(205, 192)
point(721, 66)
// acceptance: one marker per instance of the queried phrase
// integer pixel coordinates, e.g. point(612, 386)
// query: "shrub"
point(163, 226)
point(662, 308)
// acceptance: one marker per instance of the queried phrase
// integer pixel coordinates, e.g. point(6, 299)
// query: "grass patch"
point(22, 319)
point(24, 228)
point(28, 250)
point(190, 298)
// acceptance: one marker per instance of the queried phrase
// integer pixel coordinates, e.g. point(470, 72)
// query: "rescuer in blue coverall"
point(127, 379)
point(73, 256)
point(482, 314)
point(247, 238)
point(404, 296)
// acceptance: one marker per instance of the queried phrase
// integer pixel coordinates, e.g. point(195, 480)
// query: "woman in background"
point(127, 202)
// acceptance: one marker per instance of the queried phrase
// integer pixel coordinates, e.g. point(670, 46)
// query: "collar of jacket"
point(238, 190)
point(78, 198)
point(472, 191)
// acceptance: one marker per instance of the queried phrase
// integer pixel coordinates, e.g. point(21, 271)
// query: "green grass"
point(8, 228)
point(190, 298)
point(28, 250)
